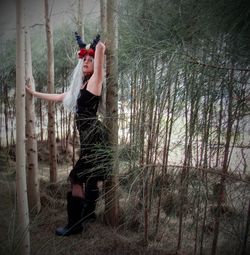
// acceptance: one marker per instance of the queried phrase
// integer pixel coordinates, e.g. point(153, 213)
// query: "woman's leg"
point(91, 196)
point(78, 190)
point(75, 208)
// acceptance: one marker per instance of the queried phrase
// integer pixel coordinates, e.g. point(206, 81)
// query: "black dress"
point(94, 160)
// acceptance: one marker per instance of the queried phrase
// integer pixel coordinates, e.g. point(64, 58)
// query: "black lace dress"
point(94, 159)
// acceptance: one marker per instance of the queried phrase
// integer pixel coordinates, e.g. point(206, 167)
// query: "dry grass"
point(97, 239)
point(128, 237)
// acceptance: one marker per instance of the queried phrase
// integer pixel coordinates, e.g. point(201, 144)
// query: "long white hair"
point(76, 79)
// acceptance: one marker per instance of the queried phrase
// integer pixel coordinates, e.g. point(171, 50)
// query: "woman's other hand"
point(28, 87)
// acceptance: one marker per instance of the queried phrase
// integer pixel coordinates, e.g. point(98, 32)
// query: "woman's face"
point(88, 65)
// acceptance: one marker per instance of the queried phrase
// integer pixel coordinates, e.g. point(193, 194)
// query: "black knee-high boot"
point(75, 208)
point(92, 194)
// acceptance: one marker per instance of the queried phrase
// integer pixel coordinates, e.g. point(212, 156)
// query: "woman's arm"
point(46, 96)
point(96, 80)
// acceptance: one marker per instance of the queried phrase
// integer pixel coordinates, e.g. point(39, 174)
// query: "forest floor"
point(97, 239)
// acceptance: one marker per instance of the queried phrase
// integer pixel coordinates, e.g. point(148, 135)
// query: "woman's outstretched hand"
point(29, 87)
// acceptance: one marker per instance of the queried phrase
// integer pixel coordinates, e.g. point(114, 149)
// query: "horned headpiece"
point(86, 49)
point(76, 79)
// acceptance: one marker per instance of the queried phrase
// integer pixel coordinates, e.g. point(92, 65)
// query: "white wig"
point(76, 79)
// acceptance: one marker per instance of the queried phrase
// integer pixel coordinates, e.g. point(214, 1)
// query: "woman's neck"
point(87, 76)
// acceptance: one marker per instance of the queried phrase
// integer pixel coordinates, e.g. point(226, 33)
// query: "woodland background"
point(182, 170)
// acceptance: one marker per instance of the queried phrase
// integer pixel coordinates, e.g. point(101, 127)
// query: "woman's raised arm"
point(96, 80)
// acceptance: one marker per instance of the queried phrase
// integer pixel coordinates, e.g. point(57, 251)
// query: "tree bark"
point(41, 120)
point(6, 118)
point(51, 105)
point(80, 18)
point(31, 149)
point(222, 184)
point(1, 114)
point(103, 9)
point(103, 20)
point(111, 200)
point(243, 252)
point(21, 185)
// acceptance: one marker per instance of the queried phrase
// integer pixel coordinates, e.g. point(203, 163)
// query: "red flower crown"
point(83, 52)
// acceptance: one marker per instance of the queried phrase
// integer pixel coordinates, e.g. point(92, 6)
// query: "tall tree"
point(6, 117)
point(111, 202)
point(225, 164)
point(21, 185)
point(103, 16)
point(80, 18)
point(31, 145)
point(51, 105)
point(103, 20)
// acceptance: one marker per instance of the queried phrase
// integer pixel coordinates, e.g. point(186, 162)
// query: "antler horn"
point(79, 41)
point(95, 41)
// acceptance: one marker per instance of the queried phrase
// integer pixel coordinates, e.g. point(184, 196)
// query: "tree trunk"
point(6, 118)
point(142, 138)
point(21, 185)
point(171, 99)
point(41, 120)
point(111, 200)
point(51, 105)
point(222, 184)
point(103, 10)
point(1, 114)
point(243, 252)
point(80, 18)
point(31, 149)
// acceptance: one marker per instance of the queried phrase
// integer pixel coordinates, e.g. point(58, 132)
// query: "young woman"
point(82, 98)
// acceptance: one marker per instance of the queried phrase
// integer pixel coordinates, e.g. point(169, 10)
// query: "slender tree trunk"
point(51, 105)
point(143, 175)
point(12, 116)
point(1, 120)
point(103, 9)
point(62, 130)
point(243, 252)
point(41, 119)
point(185, 169)
point(57, 123)
point(168, 131)
point(80, 18)
point(111, 199)
point(221, 193)
point(133, 95)
point(6, 118)
point(21, 185)
point(68, 132)
point(219, 128)
point(208, 116)
point(32, 160)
